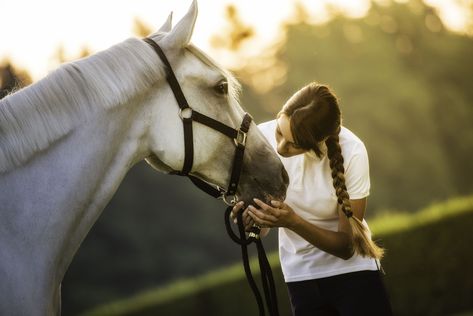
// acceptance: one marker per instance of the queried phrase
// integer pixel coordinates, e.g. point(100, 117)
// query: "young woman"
point(329, 262)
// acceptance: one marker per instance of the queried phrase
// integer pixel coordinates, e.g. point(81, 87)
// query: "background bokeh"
point(402, 71)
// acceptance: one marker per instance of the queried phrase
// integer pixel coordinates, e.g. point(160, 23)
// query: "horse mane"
point(36, 116)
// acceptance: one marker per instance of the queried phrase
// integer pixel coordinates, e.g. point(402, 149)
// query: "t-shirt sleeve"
point(357, 174)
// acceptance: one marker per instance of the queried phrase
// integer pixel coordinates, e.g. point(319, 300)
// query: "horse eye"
point(222, 87)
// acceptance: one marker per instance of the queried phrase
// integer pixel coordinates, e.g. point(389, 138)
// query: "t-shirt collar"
point(311, 154)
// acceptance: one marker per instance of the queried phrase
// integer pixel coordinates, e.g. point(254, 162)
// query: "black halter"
point(189, 115)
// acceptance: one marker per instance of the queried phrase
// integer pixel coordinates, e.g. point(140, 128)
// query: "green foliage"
point(404, 84)
point(11, 78)
point(426, 264)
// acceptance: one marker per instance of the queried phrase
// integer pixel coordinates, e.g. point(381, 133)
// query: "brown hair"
point(315, 117)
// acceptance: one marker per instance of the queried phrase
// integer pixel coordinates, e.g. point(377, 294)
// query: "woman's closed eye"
point(292, 144)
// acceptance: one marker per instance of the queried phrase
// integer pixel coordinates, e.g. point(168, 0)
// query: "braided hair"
point(315, 118)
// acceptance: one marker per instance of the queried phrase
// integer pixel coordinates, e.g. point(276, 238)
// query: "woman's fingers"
point(261, 217)
point(281, 205)
point(262, 205)
point(277, 204)
point(236, 209)
point(247, 220)
point(265, 216)
point(267, 208)
point(261, 222)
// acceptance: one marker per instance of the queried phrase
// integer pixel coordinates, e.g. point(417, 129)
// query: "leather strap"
point(238, 159)
point(183, 104)
point(188, 116)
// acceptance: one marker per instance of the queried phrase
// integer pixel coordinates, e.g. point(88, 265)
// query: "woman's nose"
point(282, 148)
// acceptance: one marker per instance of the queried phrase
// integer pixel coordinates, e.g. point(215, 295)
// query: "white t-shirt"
point(312, 196)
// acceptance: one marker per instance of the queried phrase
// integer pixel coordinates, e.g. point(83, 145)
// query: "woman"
point(329, 262)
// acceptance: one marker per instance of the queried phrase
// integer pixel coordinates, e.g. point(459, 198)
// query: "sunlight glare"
point(453, 13)
point(34, 31)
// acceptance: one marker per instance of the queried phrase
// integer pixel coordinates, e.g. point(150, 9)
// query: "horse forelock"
point(40, 114)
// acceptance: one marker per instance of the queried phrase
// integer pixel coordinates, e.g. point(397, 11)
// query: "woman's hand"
point(278, 215)
point(248, 222)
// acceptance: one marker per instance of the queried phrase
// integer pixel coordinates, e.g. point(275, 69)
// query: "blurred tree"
point(236, 33)
point(140, 28)
point(61, 56)
point(403, 81)
point(12, 78)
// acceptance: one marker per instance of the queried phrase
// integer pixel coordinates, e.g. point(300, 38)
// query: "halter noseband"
point(188, 115)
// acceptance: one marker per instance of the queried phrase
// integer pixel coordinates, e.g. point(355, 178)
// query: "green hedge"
point(428, 266)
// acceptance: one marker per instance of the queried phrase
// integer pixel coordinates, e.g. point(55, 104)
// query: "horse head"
point(212, 91)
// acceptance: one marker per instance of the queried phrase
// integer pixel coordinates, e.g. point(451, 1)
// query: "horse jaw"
point(157, 164)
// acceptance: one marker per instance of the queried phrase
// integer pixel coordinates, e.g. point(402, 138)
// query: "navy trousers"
point(349, 294)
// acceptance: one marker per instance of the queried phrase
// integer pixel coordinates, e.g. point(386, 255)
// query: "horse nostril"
point(285, 176)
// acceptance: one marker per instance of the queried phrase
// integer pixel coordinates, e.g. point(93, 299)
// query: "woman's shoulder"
point(268, 125)
point(350, 142)
point(268, 128)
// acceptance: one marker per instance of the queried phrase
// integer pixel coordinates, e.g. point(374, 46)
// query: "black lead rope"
point(267, 279)
point(188, 115)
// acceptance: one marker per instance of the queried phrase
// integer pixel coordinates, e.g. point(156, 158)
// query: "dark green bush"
point(428, 272)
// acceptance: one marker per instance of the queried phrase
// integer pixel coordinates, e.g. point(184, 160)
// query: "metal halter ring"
point(185, 113)
point(233, 199)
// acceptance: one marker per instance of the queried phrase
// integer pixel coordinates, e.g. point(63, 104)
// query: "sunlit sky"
point(32, 31)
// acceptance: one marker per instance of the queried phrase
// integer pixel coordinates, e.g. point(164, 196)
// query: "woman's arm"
point(337, 243)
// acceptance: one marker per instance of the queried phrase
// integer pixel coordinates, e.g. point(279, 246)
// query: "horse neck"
point(50, 203)
point(35, 117)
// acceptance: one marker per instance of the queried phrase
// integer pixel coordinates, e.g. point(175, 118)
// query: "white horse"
point(67, 141)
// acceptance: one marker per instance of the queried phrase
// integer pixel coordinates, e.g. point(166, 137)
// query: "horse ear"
point(181, 34)
point(166, 27)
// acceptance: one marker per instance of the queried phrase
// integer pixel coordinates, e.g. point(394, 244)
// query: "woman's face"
point(285, 141)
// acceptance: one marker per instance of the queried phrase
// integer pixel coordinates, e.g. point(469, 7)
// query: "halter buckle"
point(185, 113)
point(240, 139)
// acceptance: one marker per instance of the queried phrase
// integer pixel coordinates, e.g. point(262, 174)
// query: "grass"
point(178, 289)
point(170, 292)
point(406, 235)
point(393, 222)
